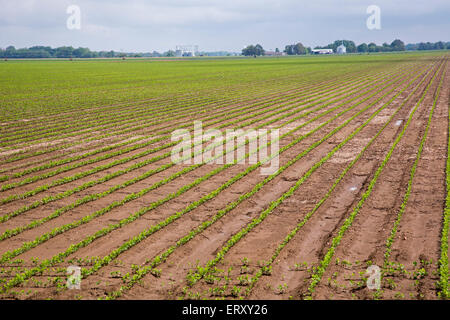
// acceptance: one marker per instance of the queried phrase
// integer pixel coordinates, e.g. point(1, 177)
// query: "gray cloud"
point(140, 25)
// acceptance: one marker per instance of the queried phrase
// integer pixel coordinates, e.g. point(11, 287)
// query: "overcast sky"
point(147, 25)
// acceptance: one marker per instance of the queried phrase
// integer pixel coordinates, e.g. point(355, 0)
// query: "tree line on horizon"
point(351, 47)
point(251, 50)
point(70, 52)
point(48, 52)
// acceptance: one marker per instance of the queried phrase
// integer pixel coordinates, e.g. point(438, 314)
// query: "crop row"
point(58, 212)
point(401, 211)
point(85, 91)
point(443, 261)
point(294, 231)
point(159, 259)
point(90, 239)
point(255, 222)
point(116, 109)
point(92, 197)
point(263, 103)
point(39, 152)
point(23, 154)
point(108, 88)
point(145, 109)
point(322, 266)
point(124, 117)
point(224, 100)
point(391, 238)
point(77, 176)
point(67, 160)
point(82, 127)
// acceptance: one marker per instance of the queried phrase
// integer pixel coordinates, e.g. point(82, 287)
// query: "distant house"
point(274, 53)
point(322, 51)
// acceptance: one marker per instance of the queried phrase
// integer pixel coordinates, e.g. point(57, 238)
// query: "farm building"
point(341, 49)
point(322, 51)
point(186, 51)
point(274, 53)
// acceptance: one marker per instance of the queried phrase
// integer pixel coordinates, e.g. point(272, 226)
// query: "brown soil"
point(416, 246)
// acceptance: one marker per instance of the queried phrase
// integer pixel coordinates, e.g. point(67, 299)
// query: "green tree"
point(363, 47)
point(386, 47)
point(299, 48)
point(10, 52)
point(289, 49)
point(398, 45)
point(252, 50)
point(439, 45)
point(64, 52)
point(259, 50)
point(169, 53)
point(372, 47)
point(82, 53)
point(249, 50)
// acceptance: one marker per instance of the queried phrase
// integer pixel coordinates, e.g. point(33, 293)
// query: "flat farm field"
point(93, 205)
